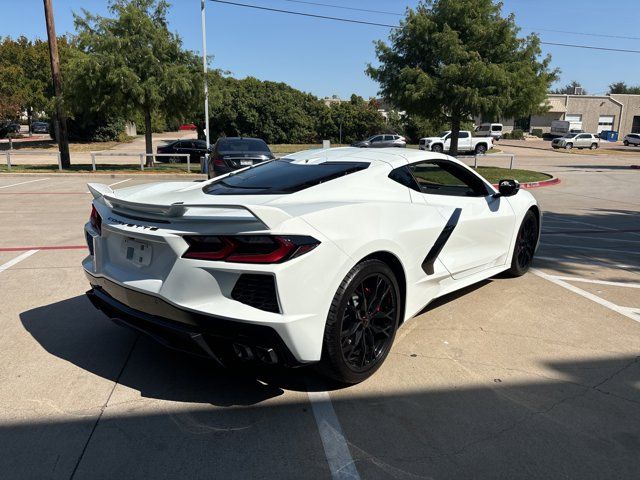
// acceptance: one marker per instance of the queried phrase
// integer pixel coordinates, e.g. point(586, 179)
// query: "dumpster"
point(609, 135)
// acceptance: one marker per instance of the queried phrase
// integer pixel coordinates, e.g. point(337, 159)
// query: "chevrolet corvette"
point(316, 257)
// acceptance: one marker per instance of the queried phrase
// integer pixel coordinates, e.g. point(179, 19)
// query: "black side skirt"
point(438, 245)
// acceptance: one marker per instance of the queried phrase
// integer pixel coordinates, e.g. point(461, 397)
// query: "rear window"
point(496, 128)
point(281, 177)
point(243, 145)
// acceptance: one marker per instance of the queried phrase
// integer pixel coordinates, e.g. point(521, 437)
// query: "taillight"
point(249, 248)
point(218, 161)
point(96, 220)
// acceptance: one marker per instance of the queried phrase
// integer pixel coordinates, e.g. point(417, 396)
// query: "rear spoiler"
point(270, 217)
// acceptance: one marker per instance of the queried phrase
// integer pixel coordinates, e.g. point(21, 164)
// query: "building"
point(619, 112)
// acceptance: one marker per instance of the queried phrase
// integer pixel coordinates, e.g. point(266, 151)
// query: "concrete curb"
point(544, 183)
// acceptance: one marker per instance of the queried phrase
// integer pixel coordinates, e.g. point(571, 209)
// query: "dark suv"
point(233, 153)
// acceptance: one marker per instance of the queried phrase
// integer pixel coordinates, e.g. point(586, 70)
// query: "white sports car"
point(319, 256)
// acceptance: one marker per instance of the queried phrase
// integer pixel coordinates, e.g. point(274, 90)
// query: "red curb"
point(544, 183)
point(61, 247)
point(635, 167)
point(44, 193)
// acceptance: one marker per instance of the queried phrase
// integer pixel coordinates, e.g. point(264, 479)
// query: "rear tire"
point(481, 149)
point(362, 323)
point(525, 245)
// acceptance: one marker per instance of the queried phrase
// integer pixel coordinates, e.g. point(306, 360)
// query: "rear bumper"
point(203, 335)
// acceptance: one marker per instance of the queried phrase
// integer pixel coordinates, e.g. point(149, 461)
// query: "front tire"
point(525, 246)
point(362, 323)
point(437, 148)
point(568, 146)
point(594, 146)
point(626, 143)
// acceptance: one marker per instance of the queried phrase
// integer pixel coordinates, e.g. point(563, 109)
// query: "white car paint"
point(352, 216)
point(466, 142)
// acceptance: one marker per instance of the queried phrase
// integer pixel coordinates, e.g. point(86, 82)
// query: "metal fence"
point(512, 158)
point(10, 153)
point(141, 156)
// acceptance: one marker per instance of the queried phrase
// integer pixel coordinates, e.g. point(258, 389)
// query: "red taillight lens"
point(218, 162)
point(249, 248)
point(96, 220)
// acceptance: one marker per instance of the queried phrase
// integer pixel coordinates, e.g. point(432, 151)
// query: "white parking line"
point(121, 181)
point(587, 260)
point(576, 247)
point(627, 312)
point(22, 183)
point(598, 282)
point(18, 259)
point(334, 443)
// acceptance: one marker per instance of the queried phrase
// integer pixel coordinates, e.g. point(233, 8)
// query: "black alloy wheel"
point(525, 246)
point(368, 322)
point(362, 322)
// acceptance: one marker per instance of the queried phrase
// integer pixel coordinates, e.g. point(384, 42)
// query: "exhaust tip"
point(243, 352)
point(267, 355)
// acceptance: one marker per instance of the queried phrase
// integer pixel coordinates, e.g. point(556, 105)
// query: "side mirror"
point(507, 188)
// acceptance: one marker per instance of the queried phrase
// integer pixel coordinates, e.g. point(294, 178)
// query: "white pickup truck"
point(466, 143)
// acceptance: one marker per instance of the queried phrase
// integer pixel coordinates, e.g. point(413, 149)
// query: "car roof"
point(394, 157)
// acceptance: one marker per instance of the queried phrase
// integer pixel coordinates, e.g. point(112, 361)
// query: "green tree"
point(622, 87)
point(456, 59)
point(132, 63)
point(25, 76)
point(359, 119)
point(571, 88)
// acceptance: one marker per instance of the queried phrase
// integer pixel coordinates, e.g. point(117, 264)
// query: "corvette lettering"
point(131, 225)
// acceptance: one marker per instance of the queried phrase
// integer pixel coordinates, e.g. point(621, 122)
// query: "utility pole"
point(206, 86)
point(61, 121)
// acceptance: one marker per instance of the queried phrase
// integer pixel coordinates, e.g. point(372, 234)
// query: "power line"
point(345, 8)
point(290, 12)
point(623, 37)
point(361, 22)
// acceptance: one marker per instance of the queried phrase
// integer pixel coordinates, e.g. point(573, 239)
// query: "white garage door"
point(575, 121)
point(605, 123)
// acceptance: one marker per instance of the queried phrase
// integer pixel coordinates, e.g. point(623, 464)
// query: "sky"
point(329, 58)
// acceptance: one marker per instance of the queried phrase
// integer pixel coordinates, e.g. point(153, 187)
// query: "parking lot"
point(535, 377)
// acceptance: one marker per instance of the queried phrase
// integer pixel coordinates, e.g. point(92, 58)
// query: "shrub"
point(516, 134)
point(537, 132)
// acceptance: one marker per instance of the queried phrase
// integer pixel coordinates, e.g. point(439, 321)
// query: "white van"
point(493, 130)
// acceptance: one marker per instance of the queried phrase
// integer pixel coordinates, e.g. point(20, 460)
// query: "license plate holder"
point(136, 252)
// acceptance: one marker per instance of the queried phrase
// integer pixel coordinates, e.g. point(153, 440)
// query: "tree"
point(25, 77)
point(571, 89)
point(623, 88)
point(132, 63)
point(456, 59)
point(358, 118)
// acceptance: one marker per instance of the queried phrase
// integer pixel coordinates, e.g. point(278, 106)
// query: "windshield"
point(240, 145)
point(444, 134)
point(281, 177)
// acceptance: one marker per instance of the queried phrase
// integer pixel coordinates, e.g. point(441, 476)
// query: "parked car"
point(195, 149)
point(576, 140)
point(382, 141)
point(466, 143)
point(39, 127)
point(319, 257)
point(632, 139)
point(233, 153)
point(7, 128)
point(493, 130)
point(187, 126)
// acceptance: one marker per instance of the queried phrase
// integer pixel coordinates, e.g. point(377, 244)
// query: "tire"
point(626, 143)
point(594, 146)
point(568, 146)
point(357, 338)
point(481, 149)
point(174, 159)
point(437, 148)
point(525, 245)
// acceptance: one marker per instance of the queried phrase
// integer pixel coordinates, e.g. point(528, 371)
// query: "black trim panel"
point(180, 329)
point(438, 245)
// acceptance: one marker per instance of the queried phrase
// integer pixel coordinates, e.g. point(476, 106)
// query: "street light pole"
point(61, 121)
point(206, 85)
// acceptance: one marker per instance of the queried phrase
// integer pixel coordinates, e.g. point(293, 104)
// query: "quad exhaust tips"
point(264, 354)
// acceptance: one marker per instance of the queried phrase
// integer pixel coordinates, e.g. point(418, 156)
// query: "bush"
point(86, 129)
point(537, 132)
point(516, 134)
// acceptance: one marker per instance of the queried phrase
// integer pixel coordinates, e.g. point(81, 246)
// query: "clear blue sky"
point(325, 57)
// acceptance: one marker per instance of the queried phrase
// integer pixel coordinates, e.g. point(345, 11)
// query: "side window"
point(441, 177)
point(464, 135)
point(496, 128)
point(388, 138)
point(377, 139)
point(404, 177)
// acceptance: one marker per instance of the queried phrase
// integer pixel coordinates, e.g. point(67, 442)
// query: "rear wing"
point(270, 217)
